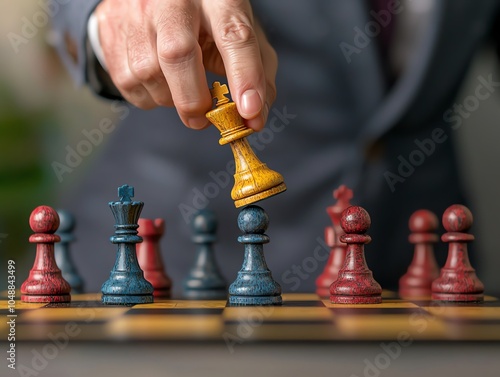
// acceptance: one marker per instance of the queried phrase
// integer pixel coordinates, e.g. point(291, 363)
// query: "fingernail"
point(197, 123)
point(251, 103)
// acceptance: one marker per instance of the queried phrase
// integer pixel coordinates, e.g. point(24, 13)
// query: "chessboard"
point(301, 318)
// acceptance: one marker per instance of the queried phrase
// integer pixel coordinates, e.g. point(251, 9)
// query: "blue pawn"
point(205, 282)
point(126, 284)
point(254, 284)
point(62, 252)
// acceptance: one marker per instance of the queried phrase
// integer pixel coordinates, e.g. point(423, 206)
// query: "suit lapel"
point(400, 97)
point(364, 70)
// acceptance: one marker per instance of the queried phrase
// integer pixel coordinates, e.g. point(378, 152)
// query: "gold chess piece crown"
point(253, 180)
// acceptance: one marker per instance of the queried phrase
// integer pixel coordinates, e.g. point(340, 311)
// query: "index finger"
point(233, 32)
point(181, 61)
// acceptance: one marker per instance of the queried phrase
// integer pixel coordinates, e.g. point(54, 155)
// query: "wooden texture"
point(62, 252)
point(355, 283)
point(204, 280)
point(457, 280)
point(253, 180)
point(254, 285)
point(45, 282)
point(149, 256)
point(338, 250)
point(126, 284)
point(423, 270)
point(301, 318)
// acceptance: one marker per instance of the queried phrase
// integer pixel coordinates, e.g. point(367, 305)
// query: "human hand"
point(157, 51)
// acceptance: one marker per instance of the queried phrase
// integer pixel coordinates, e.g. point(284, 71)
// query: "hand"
point(156, 52)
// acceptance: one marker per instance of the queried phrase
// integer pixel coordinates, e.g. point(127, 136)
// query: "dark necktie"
point(381, 13)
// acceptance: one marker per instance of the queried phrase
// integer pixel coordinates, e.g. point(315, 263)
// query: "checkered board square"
point(302, 317)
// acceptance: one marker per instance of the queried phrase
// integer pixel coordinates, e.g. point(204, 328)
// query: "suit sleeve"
point(70, 28)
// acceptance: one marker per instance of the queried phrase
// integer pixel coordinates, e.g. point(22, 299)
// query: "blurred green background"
point(40, 114)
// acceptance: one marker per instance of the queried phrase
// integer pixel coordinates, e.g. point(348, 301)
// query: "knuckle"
point(144, 68)
point(124, 81)
point(165, 101)
point(188, 108)
point(141, 58)
point(174, 49)
point(140, 98)
point(145, 105)
point(236, 31)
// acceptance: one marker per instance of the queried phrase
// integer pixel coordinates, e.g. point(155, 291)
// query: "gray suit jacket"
point(333, 123)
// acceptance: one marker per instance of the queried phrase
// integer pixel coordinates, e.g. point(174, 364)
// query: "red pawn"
point(45, 282)
point(333, 233)
point(355, 283)
point(149, 256)
point(458, 280)
point(423, 269)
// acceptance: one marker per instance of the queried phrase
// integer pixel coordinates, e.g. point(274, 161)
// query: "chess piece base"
point(415, 293)
point(46, 298)
point(323, 292)
point(458, 297)
point(338, 299)
point(163, 293)
point(254, 300)
point(260, 196)
point(127, 300)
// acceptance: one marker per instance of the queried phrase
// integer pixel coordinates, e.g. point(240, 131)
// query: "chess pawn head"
point(423, 224)
point(458, 280)
point(204, 281)
point(457, 218)
point(45, 282)
point(253, 180)
point(423, 269)
point(356, 221)
point(204, 226)
point(423, 221)
point(67, 222)
point(254, 284)
point(62, 251)
point(355, 283)
point(253, 220)
point(44, 220)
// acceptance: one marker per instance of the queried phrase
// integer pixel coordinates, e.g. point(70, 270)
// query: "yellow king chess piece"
point(253, 180)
